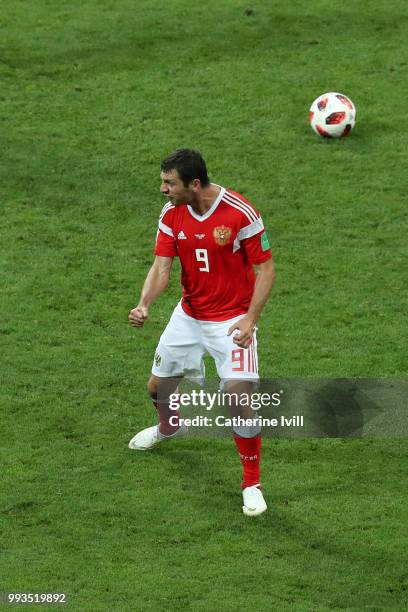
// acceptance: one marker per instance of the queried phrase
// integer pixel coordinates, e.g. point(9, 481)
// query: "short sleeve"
point(257, 248)
point(165, 240)
point(252, 238)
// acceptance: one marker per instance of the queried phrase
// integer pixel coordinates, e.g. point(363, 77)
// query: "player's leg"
point(247, 438)
point(246, 429)
point(178, 353)
point(164, 395)
point(238, 370)
point(163, 392)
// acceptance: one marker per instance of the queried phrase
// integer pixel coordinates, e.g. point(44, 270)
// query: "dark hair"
point(189, 164)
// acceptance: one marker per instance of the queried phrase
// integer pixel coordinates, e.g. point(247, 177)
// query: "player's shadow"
point(339, 409)
point(198, 463)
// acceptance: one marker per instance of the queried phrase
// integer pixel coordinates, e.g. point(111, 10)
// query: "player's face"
point(174, 189)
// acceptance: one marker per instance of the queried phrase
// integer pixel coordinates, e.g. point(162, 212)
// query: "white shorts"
point(185, 341)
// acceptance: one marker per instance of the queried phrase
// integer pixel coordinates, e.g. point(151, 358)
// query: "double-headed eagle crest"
point(222, 235)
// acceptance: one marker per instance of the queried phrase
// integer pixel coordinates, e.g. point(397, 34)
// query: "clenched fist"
point(245, 327)
point(138, 316)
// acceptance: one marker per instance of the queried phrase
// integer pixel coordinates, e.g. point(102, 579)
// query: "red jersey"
point(216, 252)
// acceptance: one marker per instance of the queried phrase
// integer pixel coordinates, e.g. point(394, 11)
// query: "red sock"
point(164, 414)
point(250, 454)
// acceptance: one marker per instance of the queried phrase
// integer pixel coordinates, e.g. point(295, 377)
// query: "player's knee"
point(152, 388)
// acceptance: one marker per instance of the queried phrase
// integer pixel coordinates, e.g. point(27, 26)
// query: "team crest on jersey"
point(222, 235)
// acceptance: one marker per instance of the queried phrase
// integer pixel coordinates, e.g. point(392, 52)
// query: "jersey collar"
point(211, 209)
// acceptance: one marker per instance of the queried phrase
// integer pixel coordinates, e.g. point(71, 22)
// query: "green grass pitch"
point(93, 95)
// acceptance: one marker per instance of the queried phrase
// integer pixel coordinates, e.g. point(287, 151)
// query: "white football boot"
point(254, 502)
point(148, 438)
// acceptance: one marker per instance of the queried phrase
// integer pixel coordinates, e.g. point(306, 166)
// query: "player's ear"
point(195, 184)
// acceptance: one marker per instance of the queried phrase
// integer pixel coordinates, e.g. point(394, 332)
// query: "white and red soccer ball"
point(332, 115)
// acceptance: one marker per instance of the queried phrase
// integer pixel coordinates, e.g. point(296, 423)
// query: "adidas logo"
point(181, 236)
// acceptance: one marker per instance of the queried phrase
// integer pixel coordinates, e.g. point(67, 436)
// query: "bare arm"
point(265, 277)
point(156, 282)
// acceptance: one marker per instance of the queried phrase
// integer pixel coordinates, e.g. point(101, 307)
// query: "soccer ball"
point(332, 115)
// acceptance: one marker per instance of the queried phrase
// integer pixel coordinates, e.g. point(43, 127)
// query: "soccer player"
point(227, 274)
